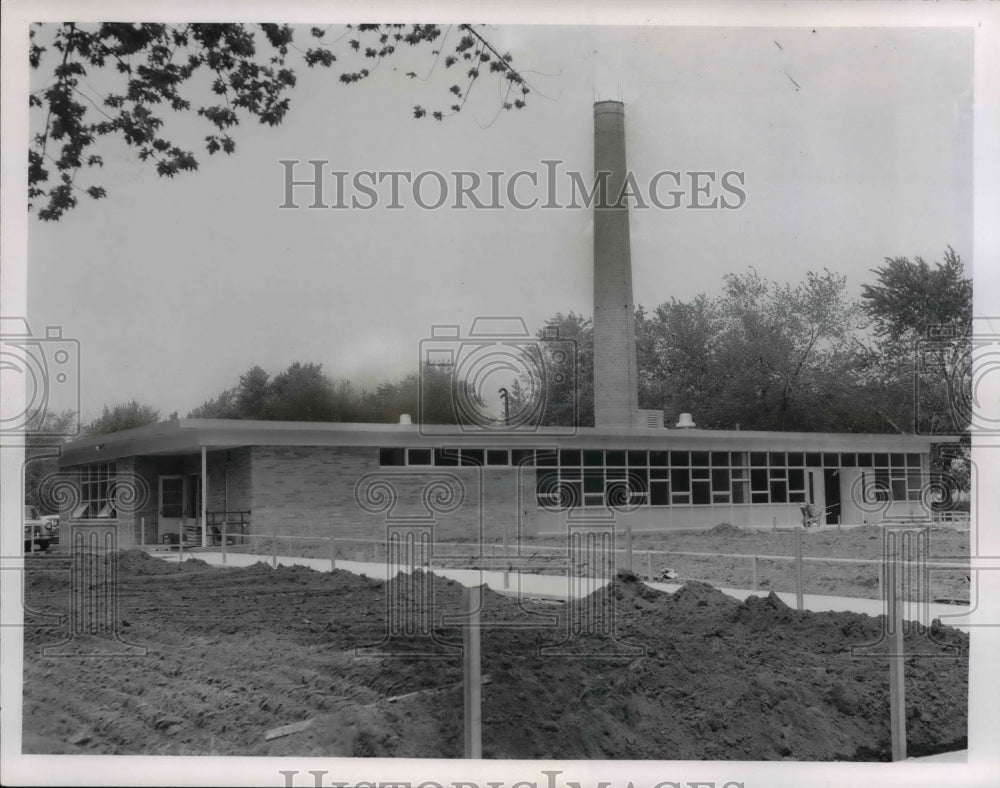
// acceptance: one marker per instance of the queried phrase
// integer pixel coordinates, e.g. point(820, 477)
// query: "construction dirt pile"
point(220, 661)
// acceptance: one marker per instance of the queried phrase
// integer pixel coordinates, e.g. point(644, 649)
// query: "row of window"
point(622, 458)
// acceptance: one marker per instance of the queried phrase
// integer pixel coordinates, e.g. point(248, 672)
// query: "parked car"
point(40, 531)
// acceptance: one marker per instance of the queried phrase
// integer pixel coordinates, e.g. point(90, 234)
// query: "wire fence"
point(761, 572)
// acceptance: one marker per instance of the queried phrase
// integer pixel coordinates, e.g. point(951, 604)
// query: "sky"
point(854, 144)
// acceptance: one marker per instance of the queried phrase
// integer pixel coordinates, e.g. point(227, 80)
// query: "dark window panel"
point(659, 494)
point(700, 493)
point(779, 492)
point(720, 459)
point(615, 458)
point(391, 457)
point(737, 458)
point(638, 479)
point(758, 497)
point(913, 460)
point(699, 458)
point(497, 457)
point(720, 480)
point(473, 456)
point(593, 458)
point(419, 456)
point(758, 479)
point(593, 482)
point(658, 473)
point(796, 479)
point(831, 460)
point(758, 458)
point(637, 459)
point(796, 497)
point(593, 500)
point(848, 460)
point(571, 473)
point(866, 460)
point(614, 473)
point(680, 479)
point(569, 457)
point(658, 458)
point(445, 457)
point(796, 459)
point(739, 492)
point(525, 457)
point(546, 458)
point(680, 459)
point(814, 459)
point(720, 497)
point(776, 459)
point(881, 460)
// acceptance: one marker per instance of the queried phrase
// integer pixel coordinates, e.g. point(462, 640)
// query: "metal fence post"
point(471, 666)
point(223, 541)
point(333, 550)
point(506, 561)
point(649, 565)
point(274, 548)
point(798, 571)
point(897, 691)
point(755, 577)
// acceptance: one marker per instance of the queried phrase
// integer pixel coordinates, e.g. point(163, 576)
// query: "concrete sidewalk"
point(558, 586)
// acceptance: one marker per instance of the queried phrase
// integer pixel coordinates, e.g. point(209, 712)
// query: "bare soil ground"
point(547, 555)
point(233, 653)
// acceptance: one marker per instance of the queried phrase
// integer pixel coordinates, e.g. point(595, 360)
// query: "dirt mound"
point(627, 673)
point(136, 562)
point(726, 529)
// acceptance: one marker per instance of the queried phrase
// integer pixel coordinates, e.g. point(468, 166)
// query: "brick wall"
point(306, 490)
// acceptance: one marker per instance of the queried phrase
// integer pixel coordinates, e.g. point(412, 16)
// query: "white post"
point(649, 565)
point(506, 561)
point(333, 550)
point(897, 692)
point(204, 496)
point(471, 665)
point(754, 583)
point(798, 571)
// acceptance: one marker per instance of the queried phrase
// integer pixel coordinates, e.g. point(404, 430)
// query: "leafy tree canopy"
point(221, 73)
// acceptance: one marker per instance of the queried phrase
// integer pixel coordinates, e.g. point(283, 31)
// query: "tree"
point(223, 73)
point(41, 457)
point(123, 416)
point(922, 316)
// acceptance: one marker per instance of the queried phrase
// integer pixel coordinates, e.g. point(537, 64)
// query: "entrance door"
point(173, 504)
point(831, 485)
point(816, 492)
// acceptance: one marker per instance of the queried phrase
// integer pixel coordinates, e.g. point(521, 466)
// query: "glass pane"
point(524, 457)
point(699, 458)
point(473, 456)
point(657, 458)
point(569, 457)
point(680, 478)
point(446, 457)
point(637, 459)
point(615, 458)
point(680, 459)
point(593, 458)
point(494, 457)
point(419, 456)
point(659, 494)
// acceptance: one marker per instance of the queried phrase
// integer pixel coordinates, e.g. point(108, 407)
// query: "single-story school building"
point(352, 480)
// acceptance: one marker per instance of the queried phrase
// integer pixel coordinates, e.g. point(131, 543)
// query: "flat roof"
point(186, 436)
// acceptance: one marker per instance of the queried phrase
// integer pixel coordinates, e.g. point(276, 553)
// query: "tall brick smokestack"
point(615, 376)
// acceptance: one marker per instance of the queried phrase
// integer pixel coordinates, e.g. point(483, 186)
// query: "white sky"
point(175, 287)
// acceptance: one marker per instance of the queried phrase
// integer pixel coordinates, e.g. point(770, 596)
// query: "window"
point(97, 494)
point(391, 457)
point(418, 456)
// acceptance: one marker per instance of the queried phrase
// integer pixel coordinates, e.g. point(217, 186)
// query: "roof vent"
point(685, 422)
point(404, 418)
